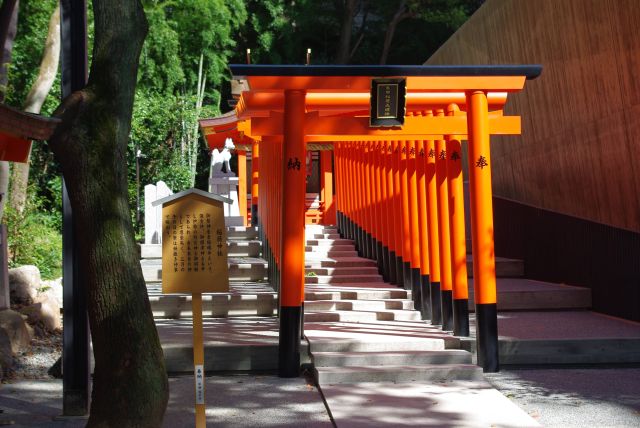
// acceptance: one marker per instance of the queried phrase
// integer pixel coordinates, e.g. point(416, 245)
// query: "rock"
point(45, 313)
point(16, 328)
point(24, 282)
point(53, 289)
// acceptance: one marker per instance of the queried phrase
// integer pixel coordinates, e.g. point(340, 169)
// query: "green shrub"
point(33, 239)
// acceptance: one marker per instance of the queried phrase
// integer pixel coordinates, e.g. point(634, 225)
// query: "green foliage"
point(180, 31)
point(33, 24)
point(164, 115)
point(279, 31)
point(34, 238)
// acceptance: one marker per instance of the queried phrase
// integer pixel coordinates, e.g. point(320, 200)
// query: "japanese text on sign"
point(194, 246)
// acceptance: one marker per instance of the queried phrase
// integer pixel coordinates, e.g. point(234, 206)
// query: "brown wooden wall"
point(579, 152)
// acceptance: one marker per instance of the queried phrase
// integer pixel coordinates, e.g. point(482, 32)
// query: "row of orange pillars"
point(402, 203)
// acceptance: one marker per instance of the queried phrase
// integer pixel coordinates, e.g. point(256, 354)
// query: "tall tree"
point(8, 23)
point(348, 9)
point(451, 13)
point(33, 104)
point(130, 385)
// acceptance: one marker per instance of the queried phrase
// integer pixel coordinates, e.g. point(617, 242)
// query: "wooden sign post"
point(194, 260)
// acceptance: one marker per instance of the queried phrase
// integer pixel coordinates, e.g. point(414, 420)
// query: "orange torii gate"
point(398, 177)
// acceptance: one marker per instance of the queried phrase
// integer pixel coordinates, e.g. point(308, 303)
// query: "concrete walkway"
point(563, 398)
point(574, 397)
point(236, 401)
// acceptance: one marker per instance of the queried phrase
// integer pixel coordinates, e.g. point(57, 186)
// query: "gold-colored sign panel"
point(194, 246)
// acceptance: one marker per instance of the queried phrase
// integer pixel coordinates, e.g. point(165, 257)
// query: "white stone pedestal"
point(227, 186)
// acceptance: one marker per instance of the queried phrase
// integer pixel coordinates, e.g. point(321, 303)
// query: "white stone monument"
point(153, 215)
point(225, 183)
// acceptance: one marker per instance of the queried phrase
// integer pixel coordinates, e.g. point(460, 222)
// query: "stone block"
point(24, 282)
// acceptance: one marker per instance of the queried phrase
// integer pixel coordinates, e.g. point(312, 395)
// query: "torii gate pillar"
point(293, 208)
point(484, 265)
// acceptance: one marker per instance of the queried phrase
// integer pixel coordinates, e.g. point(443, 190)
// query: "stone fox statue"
point(218, 158)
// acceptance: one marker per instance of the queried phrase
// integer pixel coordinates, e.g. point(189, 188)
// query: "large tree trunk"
point(33, 104)
point(130, 387)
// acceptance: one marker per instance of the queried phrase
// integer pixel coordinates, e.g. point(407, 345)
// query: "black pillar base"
point(406, 272)
point(425, 312)
point(254, 215)
point(385, 263)
point(416, 289)
point(367, 244)
point(399, 272)
point(460, 317)
point(302, 321)
point(487, 337)
point(393, 262)
point(289, 341)
point(347, 227)
point(447, 310)
point(436, 306)
point(380, 259)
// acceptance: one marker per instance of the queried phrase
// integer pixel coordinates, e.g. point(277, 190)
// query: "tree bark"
point(130, 386)
point(33, 104)
point(8, 27)
point(400, 15)
point(344, 45)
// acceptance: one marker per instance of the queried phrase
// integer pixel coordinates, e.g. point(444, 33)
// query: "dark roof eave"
point(530, 71)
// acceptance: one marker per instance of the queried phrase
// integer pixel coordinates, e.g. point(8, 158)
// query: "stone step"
point(247, 269)
point(364, 270)
point(342, 279)
point(324, 254)
point(330, 242)
point(235, 248)
point(241, 232)
point(392, 358)
point(569, 351)
point(361, 316)
point(358, 305)
point(564, 337)
point(219, 305)
point(319, 228)
point(313, 293)
point(376, 343)
point(525, 294)
point(227, 345)
point(505, 268)
point(326, 248)
point(337, 262)
point(404, 358)
point(335, 235)
point(392, 373)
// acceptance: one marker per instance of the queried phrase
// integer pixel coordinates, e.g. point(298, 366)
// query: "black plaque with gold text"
point(387, 102)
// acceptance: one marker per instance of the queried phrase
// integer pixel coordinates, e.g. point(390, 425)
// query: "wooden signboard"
point(194, 260)
point(194, 245)
point(387, 102)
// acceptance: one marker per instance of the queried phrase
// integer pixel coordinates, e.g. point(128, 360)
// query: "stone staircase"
point(361, 329)
point(249, 294)
point(353, 318)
